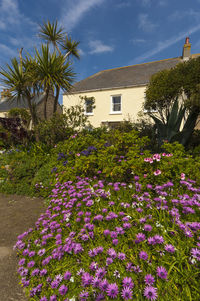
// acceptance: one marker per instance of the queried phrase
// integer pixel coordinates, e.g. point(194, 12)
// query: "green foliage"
point(110, 155)
point(174, 96)
point(61, 126)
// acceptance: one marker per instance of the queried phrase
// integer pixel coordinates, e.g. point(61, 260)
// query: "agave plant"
point(177, 128)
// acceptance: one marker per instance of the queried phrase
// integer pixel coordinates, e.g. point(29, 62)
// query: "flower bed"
point(99, 241)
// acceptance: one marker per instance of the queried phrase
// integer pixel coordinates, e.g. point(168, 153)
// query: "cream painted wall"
point(131, 102)
point(3, 114)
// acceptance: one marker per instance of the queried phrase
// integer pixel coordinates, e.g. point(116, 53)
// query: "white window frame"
point(111, 105)
point(88, 113)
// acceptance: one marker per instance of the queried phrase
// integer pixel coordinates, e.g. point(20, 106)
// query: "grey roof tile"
point(6, 104)
point(135, 75)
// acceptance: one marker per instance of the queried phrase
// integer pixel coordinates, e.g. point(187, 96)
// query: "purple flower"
point(106, 232)
point(147, 227)
point(53, 298)
point(169, 248)
point(84, 295)
point(43, 298)
point(67, 275)
point(96, 282)
point(93, 266)
point(54, 284)
point(161, 272)
point(121, 256)
point(100, 273)
point(41, 252)
point(158, 239)
point(109, 260)
point(31, 264)
point(115, 241)
point(100, 297)
point(150, 292)
point(149, 279)
point(35, 272)
point(112, 290)
point(103, 285)
point(63, 289)
point(111, 252)
point(126, 293)
point(43, 272)
point(143, 255)
point(21, 261)
point(127, 282)
point(195, 253)
point(86, 279)
point(140, 237)
point(31, 254)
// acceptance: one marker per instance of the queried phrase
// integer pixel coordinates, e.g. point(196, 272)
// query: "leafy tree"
point(173, 101)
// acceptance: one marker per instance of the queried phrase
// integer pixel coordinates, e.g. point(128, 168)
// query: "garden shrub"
point(99, 241)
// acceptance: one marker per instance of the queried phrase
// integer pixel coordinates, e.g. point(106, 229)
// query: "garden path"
point(17, 214)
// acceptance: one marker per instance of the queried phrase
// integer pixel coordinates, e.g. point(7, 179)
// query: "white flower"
point(71, 279)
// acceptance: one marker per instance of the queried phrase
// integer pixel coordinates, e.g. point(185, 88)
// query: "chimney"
point(186, 50)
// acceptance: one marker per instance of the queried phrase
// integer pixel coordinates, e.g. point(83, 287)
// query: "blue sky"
point(112, 33)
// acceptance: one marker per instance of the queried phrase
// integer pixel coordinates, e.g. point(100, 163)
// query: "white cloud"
point(9, 52)
point(97, 46)
point(162, 2)
point(166, 44)
point(11, 15)
point(123, 4)
point(184, 14)
point(73, 14)
point(146, 2)
point(138, 41)
point(145, 24)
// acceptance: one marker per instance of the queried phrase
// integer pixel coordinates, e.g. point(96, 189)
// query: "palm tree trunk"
point(56, 99)
point(67, 54)
point(45, 103)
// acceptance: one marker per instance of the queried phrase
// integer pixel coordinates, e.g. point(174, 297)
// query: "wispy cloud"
point(145, 24)
point(166, 44)
point(178, 15)
point(162, 2)
point(138, 41)
point(72, 15)
point(10, 14)
point(146, 2)
point(123, 4)
point(7, 51)
point(97, 46)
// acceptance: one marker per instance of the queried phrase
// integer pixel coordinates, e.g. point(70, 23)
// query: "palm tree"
point(17, 80)
point(70, 47)
point(51, 71)
point(51, 34)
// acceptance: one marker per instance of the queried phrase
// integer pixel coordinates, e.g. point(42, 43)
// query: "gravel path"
point(17, 214)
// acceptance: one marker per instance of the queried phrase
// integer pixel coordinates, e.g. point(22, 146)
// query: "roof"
point(129, 76)
point(6, 104)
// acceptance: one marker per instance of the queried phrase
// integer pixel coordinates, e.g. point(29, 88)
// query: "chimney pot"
point(187, 40)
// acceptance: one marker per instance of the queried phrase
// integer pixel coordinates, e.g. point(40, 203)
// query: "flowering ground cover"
point(115, 241)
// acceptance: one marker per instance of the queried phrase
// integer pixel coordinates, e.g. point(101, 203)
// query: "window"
point(116, 104)
point(89, 105)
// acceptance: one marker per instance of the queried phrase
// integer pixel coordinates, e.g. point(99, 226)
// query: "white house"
point(119, 93)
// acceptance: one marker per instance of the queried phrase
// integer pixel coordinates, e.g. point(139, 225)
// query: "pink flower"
point(157, 172)
point(182, 176)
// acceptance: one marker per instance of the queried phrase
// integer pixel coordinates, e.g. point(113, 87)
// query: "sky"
point(112, 33)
